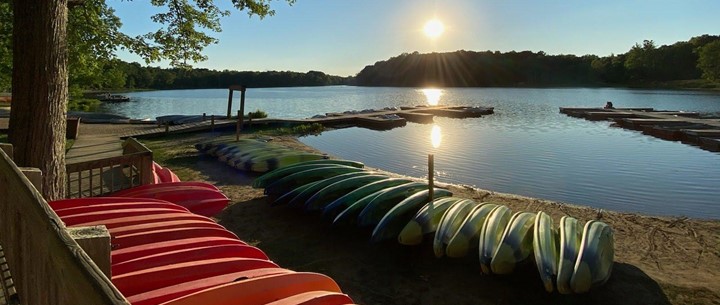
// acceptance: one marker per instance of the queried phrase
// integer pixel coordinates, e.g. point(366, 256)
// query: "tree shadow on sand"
point(390, 273)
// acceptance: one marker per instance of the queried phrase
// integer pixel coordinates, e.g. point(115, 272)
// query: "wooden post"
point(238, 127)
point(8, 149)
point(212, 122)
point(204, 117)
point(230, 96)
point(34, 175)
point(95, 241)
point(242, 103)
point(431, 176)
point(167, 127)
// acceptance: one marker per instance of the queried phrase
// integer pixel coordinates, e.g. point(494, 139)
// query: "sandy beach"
point(658, 260)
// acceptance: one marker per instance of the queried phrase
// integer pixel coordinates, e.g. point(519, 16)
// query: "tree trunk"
point(40, 90)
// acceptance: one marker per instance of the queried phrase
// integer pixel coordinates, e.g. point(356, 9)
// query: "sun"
point(433, 28)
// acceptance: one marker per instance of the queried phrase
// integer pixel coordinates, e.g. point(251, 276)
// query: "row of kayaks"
point(162, 253)
point(256, 155)
point(570, 258)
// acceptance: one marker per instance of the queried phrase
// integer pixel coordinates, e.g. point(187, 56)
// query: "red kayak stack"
point(165, 250)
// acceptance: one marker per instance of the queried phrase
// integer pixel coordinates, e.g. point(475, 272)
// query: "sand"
point(658, 260)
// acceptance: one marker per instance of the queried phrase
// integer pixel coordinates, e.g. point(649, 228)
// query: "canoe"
point(260, 290)
point(149, 237)
point(138, 204)
point(297, 179)
point(81, 202)
point(516, 244)
point(166, 175)
point(491, 234)
point(272, 176)
point(143, 219)
point(73, 220)
point(155, 278)
point(374, 211)
point(395, 220)
point(199, 200)
point(570, 238)
point(187, 255)
point(162, 224)
point(450, 223)
point(425, 220)
point(467, 236)
point(545, 248)
point(144, 188)
point(169, 293)
point(332, 209)
point(328, 194)
point(121, 255)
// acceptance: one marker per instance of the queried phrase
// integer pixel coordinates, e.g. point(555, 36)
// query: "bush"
point(258, 114)
point(83, 104)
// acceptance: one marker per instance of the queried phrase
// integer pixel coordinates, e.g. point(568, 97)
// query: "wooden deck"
point(687, 127)
point(380, 120)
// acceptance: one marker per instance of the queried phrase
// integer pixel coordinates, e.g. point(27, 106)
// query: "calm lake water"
point(527, 147)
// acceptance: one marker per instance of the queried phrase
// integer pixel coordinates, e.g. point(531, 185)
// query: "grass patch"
point(4, 138)
point(257, 114)
point(299, 130)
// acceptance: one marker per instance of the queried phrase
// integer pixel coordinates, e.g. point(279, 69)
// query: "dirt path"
point(658, 260)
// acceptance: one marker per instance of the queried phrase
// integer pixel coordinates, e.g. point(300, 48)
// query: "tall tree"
point(40, 88)
point(709, 61)
point(40, 76)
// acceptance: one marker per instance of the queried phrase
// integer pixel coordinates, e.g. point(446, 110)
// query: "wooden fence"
point(47, 264)
point(98, 177)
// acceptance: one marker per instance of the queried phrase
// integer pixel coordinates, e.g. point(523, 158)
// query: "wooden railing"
point(47, 264)
point(98, 177)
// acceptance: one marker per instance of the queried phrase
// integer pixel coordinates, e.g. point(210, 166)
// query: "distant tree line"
point(135, 76)
point(644, 64)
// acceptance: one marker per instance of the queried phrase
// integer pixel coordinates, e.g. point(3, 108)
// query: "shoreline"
point(669, 260)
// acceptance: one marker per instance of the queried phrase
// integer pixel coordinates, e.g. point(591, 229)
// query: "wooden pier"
point(382, 119)
point(687, 127)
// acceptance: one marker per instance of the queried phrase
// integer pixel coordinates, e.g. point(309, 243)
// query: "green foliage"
point(4, 138)
point(5, 46)
point(298, 130)
point(709, 61)
point(83, 104)
point(258, 114)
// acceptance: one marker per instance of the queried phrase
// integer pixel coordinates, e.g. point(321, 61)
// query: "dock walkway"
point(380, 119)
point(687, 127)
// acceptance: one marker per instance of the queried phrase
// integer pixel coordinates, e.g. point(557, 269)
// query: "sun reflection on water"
point(435, 136)
point(432, 95)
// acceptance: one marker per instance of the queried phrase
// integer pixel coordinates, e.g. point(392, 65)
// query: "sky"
point(341, 37)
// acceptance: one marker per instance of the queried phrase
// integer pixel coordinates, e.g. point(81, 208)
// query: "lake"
point(527, 147)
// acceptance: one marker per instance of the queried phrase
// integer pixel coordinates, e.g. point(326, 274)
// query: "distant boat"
point(107, 97)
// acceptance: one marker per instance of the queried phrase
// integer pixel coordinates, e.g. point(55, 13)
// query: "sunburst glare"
point(432, 96)
point(434, 28)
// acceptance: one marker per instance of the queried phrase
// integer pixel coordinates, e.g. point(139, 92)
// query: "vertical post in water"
point(431, 176)
point(238, 126)
point(242, 104)
point(230, 96)
point(212, 122)
point(204, 116)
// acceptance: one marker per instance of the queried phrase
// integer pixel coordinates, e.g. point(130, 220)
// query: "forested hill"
point(643, 64)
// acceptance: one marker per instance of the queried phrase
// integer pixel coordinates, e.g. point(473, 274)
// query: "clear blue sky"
point(340, 37)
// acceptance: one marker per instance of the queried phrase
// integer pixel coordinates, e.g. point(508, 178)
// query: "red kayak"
point(150, 237)
point(183, 184)
point(73, 220)
point(261, 290)
point(130, 253)
point(188, 255)
point(81, 202)
point(166, 175)
point(315, 298)
point(143, 219)
point(129, 204)
point(155, 278)
point(173, 292)
point(199, 200)
point(163, 225)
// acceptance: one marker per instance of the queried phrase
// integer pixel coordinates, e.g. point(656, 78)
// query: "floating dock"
point(687, 127)
point(382, 119)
